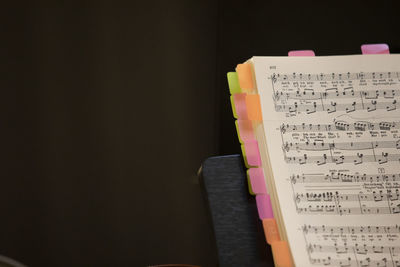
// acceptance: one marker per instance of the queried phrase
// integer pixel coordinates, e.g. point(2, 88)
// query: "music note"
point(332, 107)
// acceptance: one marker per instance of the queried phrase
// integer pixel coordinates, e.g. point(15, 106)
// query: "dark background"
point(108, 109)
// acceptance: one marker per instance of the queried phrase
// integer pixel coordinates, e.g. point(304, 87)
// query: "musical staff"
point(358, 249)
point(356, 159)
point(334, 106)
point(320, 145)
point(325, 203)
point(333, 210)
point(340, 125)
point(336, 197)
point(333, 76)
point(353, 262)
point(335, 93)
point(309, 229)
point(344, 178)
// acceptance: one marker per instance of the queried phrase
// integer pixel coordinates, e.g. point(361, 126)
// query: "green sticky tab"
point(233, 82)
point(244, 157)
point(233, 108)
point(249, 184)
point(238, 133)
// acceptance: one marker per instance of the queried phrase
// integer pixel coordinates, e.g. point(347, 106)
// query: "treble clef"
point(293, 179)
point(283, 128)
point(285, 147)
point(277, 96)
point(273, 78)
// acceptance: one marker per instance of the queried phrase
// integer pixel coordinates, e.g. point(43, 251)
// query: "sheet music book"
point(321, 138)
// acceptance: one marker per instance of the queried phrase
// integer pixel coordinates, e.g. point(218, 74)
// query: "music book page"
point(331, 131)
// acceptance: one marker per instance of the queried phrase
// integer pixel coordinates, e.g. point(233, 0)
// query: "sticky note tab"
point(233, 82)
point(257, 180)
point(264, 207)
point(245, 76)
point(245, 130)
point(244, 156)
point(239, 101)
point(249, 186)
point(253, 105)
point(252, 153)
point(271, 230)
point(281, 253)
point(369, 49)
point(233, 107)
point(301, 53)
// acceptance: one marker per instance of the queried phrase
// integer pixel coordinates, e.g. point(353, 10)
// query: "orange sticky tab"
point(253, 105)
point(271, 230)
point(281, 252)
point(245, 76)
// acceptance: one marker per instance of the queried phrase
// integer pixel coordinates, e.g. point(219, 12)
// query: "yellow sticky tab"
point(249, 184)
point(281, 253)
point(233, 82)
point(253, 106)
point(244, 156)
point(238, 132)
point(233, 107)
point(245, 76)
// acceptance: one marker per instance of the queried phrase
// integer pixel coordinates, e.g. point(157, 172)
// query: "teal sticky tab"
point(233, 82)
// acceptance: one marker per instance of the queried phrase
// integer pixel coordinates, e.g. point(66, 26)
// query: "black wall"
point(108, 110)
point(107, 113)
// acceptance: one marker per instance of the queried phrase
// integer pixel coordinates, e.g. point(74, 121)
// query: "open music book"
point(327, 134)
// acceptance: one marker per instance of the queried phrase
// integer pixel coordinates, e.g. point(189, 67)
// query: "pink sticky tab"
point(240, 105)
point(252, 153)
point(370, 49)
point(245, 128)
point(264, 207)
point(257, 181)
point(301, 53)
